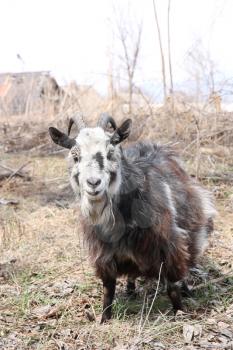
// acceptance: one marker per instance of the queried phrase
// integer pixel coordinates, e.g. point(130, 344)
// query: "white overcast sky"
point(72, 38)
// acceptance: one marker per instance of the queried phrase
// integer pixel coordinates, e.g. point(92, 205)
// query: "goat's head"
point(95, 156)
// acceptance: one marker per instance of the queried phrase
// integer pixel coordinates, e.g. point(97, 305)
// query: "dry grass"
point(49, 294)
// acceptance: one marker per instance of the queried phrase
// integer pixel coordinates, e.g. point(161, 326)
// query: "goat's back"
point(161, 215)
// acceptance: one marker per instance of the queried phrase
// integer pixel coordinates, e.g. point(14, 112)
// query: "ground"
point(50, 298)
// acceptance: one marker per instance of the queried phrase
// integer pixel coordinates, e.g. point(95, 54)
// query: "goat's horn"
point(78, 120)
point(104, 119)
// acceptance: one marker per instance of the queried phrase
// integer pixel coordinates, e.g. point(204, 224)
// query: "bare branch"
point(161, 52)
point(130, 54)
point(169, 46)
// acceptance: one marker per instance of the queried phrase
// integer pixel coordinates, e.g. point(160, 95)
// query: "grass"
point(51, 270)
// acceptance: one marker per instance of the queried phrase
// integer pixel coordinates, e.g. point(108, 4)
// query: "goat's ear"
point(121, 133)
point(61, 139)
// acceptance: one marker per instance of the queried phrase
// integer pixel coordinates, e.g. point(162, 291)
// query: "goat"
point(143, 215)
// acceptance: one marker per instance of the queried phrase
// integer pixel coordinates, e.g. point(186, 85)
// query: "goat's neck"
point(132, 177)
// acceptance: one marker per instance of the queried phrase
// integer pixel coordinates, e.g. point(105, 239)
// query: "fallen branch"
point(39, 147)
point(59, 151)
point(214, 280)
point(8, 201)
point(216, 134)
point(10, 173)
point(16, 171)
point(4, 174)
point(218, 177)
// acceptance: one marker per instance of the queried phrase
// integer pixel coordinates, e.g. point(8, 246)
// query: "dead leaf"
point(222, 325)
point(40, 311)
point(191, 331)
point(211, 321)
point(61, 289)
point(197, 330)
point(223, 340)
point(227, 333)
point(89, 315)
point(6, 268)
point(47, 311)
point(188, 333)
point(229, 346)
point(180, 313)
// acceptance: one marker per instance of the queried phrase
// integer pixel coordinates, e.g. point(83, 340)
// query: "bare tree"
point(111, 85)
point(161, 52)
point(131, 43)
point(131, 63)
point(203, 70)
point(169, 47)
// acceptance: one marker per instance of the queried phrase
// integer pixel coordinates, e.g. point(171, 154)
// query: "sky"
point(77, 39)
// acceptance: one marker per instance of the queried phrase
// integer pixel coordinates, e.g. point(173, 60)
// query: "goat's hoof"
point(179, 313)
point(131, 293)
point(105, 318)
point(178, 309)
point(187, 293)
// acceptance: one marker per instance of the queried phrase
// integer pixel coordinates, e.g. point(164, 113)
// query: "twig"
point(141, 318)
point(16, 171)
point(155, 295)
point(6, 201)
point(214, 280)
point(169, 53)
point(198, 153)
point(217, 177)
point(216, 133)
point(36, 148)
point(9, 169)
point(161, 52)
point(56, 152)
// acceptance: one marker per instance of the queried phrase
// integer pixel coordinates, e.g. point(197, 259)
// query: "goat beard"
point(93, 209)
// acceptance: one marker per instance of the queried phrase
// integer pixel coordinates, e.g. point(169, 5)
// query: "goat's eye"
point(76, 159)
point(75, 151)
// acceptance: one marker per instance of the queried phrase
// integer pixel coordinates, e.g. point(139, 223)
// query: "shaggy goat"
point(142, 213)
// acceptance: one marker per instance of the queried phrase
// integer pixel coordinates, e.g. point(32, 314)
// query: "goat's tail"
point(209, 213)
point(208, 208)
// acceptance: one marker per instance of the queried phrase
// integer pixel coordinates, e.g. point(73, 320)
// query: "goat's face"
point(95, 160)
point(95, 164)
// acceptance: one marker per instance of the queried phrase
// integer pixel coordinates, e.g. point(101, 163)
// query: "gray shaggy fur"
point(157, 218)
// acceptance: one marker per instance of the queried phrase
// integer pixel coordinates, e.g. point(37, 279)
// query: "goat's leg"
point(174, 294)
point(109, 286)
point(131, 286)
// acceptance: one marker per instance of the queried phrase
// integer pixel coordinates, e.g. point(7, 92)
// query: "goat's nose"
point(93, 182)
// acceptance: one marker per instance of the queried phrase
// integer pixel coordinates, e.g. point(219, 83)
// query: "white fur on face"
point(93, 149)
